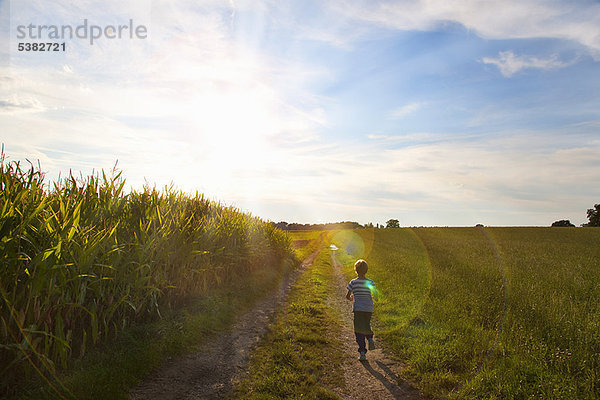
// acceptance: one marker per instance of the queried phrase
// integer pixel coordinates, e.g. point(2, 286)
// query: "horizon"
point(431, 113)
point(382, 225)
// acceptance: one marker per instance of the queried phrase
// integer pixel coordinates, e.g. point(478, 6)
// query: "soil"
point(212, 371)
point(379, 376)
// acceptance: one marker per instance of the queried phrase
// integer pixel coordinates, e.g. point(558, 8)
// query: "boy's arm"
point(374, 291)
point(349, 295)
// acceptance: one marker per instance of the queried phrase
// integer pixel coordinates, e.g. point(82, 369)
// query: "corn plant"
point(81, 260)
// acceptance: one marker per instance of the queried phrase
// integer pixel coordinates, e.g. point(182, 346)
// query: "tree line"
point(391, 223)
point(593, 215)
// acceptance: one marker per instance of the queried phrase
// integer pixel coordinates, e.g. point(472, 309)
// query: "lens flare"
point(353, 244)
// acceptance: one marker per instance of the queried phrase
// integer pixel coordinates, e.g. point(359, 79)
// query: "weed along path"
point(212, 371)
point(374, 379)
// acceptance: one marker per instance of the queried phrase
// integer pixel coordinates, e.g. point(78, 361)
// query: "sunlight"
point(232, 127)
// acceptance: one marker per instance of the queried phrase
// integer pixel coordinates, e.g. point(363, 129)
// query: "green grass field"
point(488, 313)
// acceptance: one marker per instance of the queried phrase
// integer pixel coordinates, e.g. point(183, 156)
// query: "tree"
point(392, 223)
point(593, 215)
point(562, 223)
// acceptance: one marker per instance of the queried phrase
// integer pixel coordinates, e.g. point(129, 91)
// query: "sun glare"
point(231, 131)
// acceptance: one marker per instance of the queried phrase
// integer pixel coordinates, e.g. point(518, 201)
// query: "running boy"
point(361, 289)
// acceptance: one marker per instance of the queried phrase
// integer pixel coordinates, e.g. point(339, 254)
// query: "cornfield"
point(82, 260)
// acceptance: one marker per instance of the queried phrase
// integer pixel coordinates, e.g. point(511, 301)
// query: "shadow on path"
point(396, 387)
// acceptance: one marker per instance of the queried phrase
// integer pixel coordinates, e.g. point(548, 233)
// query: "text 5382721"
point(41, 46)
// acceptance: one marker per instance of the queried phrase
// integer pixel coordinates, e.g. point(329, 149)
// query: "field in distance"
point(487, 312)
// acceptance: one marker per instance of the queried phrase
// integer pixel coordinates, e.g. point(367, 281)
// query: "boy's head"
point(361, 267)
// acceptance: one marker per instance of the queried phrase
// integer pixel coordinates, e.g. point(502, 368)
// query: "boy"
point(361, 289)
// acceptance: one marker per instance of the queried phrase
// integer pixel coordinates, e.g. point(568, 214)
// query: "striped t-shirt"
point(362, 288)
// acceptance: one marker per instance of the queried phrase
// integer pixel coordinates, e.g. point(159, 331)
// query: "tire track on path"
point(213, 370)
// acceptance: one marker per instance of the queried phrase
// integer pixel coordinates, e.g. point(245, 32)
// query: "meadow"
point(82, 262)
point(494, 313)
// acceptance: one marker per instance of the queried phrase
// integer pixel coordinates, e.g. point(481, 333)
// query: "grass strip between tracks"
point(301, 355)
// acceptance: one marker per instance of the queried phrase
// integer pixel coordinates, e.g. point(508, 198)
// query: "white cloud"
point(507, 173)
point(506, 179)
point(405, 110)
point(509, 63)
point(412, 138)
point(508, 19)
point(17, 104)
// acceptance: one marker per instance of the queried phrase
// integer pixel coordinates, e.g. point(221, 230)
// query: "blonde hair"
point(361, 267)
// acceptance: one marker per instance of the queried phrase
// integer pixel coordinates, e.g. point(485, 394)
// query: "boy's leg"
point(368, 329)
point(362, 329)
point(368, 324)
point(360, 339)
point(371, 342)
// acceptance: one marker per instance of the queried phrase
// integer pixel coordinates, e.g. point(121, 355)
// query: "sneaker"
point(363, 357)
point(371, 344)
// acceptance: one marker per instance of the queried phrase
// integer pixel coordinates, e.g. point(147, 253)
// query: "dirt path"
point(211, 372)
point(378, 377)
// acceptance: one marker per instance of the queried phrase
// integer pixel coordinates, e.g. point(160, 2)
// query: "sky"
point(432, 112)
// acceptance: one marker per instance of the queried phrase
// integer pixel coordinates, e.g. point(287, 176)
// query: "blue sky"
point(431, 112)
